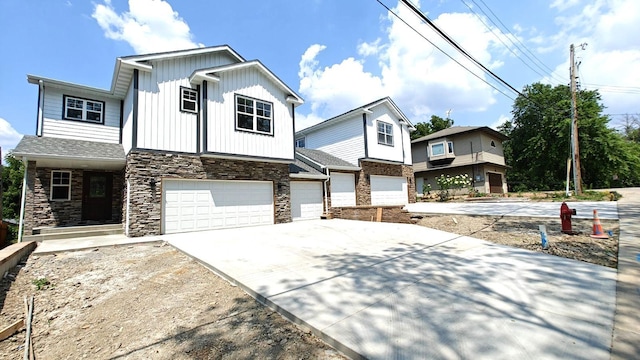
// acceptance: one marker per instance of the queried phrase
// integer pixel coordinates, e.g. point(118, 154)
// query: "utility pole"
point(575, 148)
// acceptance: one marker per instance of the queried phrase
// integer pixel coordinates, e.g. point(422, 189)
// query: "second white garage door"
point(343, 189)
point(194, 205)
point(388, 190)
point(306, 200)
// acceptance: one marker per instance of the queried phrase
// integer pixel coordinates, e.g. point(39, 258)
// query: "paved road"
point(606, 209)
point(398, 291)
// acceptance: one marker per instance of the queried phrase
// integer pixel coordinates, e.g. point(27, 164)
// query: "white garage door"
point(306, 200)
point(343, 189)
point(388, 190)
point(194, 205)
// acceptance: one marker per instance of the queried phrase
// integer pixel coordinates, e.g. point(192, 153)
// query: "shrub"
point(448, 182)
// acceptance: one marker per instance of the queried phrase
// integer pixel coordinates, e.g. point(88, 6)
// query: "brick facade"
point(368, 168)
point(146, 169)
point(40, 211)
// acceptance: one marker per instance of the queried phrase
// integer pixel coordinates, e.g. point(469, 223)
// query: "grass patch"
point(42, 283)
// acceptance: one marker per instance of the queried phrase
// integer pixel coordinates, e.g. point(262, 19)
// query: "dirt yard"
point(143, 302)
point(523, 233)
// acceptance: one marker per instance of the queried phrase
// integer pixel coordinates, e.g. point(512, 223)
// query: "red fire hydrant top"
point(565, 216)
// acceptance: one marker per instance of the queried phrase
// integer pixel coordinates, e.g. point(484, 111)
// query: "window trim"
point(435, 144)
point(52, 185)
point(384, 133)
point(183, 90)
point(84, 109)
point(448, 149)
point(254, 115)
point(303, 140)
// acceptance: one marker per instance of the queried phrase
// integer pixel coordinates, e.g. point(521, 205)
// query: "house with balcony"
point(472, 150)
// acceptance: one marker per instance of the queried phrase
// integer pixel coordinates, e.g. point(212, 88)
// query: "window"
point(188, 100)
point(450, 147)
point(493, 143)
point(437, 149)
point(441, 148)
point(385, 133)
point(83, 109)
point(300, 142)
point(254, 115)
point(61, 185)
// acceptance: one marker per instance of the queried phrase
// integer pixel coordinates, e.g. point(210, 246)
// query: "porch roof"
point(299, 169)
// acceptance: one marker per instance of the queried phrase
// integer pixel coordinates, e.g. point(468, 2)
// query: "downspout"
point(23, 201)
point(326, 194)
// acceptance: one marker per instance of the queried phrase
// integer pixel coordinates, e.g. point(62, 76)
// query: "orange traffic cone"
point(598, 232)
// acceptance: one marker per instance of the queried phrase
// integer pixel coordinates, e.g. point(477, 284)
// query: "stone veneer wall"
point(146, 169)
point(391, 214)
point(42, 212)
point(363, 182)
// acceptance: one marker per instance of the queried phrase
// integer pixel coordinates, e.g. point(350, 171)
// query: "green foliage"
point(539, 142)
point(426, 188)
point(436, 123)
point(448, 182)
point(12, 175)
point(42, 283)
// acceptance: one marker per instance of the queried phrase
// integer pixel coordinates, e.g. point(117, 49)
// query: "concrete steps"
point(71, 232)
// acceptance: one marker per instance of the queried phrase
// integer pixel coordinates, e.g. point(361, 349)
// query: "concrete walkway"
point(381, 291)
point(52, 246)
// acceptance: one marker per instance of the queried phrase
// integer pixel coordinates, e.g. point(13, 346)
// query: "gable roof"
point(364, 109)
point(210, 74)
point(321, 159)
point(456, 130)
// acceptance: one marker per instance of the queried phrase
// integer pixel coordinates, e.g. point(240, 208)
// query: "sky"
point(336, 54)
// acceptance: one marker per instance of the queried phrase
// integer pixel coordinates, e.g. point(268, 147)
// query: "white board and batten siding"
point(127, 120)
point(306, 200)
point(222, 136)
point(53, 124)
point(401, 137)
point(344, 140)
point(343, 189)
point(388, 190)
point(161, 124)
point(198, 205)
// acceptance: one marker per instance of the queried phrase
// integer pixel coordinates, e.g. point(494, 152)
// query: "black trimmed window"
point(385, 133)
point(300, 142)
point(81, 109)
point(60, 185)
point(493, 143)
point(188, 100)
point(254, 115)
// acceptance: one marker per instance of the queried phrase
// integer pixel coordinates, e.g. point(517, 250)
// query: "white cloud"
point(417, 76)
point(9, 137)
point(500, 121)
point(149, 26)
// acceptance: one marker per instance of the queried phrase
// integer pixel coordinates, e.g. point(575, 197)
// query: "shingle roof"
point(43, 147)
point(454, 130)
point(300, 168)
point(325, 159)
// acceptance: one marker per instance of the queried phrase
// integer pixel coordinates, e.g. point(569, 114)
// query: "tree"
point(539, 143)
point(12, 175)
point(436, 123)
point(631, 127)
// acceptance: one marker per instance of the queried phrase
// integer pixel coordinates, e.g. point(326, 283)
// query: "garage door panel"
point(343, 190)
point(190, 205)
point(388, 190)
point(306, 200)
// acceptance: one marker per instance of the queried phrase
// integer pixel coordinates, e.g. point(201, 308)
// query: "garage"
point(388, 190)
point(195, 205)
point(306, 200)
point(343, 189)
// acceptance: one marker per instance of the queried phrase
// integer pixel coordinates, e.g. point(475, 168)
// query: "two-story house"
point(182, 141)
point(472, 150)
point(374, 142)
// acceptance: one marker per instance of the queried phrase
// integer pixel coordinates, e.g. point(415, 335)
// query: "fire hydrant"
point(565, 216)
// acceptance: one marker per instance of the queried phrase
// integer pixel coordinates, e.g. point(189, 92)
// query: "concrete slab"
point(90, 242)
point(380, 290)
point(584, 209)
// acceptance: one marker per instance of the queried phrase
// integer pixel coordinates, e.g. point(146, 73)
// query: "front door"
point(96, 196)
point(495, 183)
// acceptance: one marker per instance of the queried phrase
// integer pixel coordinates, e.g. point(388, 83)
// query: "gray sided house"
point(182, 141)
point(374, 145)
point(472, 150)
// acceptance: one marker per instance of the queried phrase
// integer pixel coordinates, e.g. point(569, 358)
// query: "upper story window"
point(254, 115)
point(83, 109)
point(60, 185)
point(493, 143)
point(188, 100)
point(439, 149)
point(300, 142)
point(385, 133)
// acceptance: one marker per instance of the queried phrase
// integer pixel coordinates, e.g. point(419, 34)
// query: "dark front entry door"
point(495, 183)
point(96, 196)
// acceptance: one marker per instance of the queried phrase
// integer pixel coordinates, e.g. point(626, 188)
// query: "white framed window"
point(300, 142)
point(81, 109)
point(437, 149)
point(254, 115)
point(60, 185)
point(188, 100)
point(385, 133)
point(441, 149)
point(450, 147)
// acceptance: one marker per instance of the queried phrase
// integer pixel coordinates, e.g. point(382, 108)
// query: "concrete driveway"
point(584, 209)
point(381, 291)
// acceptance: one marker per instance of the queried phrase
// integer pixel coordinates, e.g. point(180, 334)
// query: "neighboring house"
point(182, 141)
point(374, 140)
point(472, 150)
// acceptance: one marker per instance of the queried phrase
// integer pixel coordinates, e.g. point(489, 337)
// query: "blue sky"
point(336, 54)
